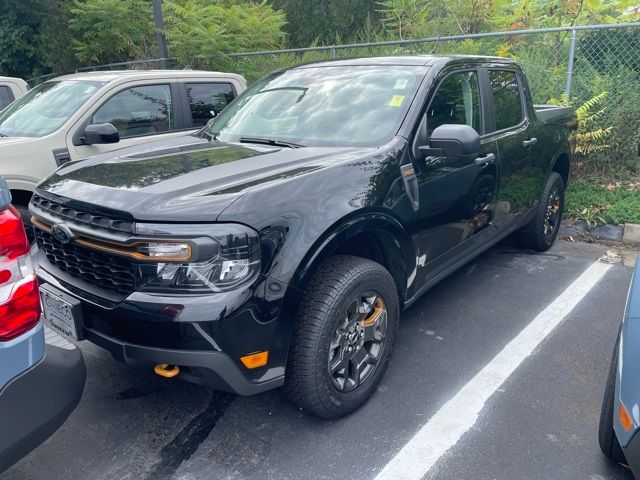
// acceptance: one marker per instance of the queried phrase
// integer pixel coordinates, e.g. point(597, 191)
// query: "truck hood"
point(185, 178)
point(13, 140)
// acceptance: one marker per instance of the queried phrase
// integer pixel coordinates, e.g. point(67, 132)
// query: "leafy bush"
point(597, 203)
point(590, 139)
point(106, 31)
point(200, 30)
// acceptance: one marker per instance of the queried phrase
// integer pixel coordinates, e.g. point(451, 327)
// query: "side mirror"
point(5, 194)
point(100, 133)
point(452, 141)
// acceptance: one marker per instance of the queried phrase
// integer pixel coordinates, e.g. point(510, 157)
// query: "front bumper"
point(205, 335)
point(212, 369)
point(37, 402)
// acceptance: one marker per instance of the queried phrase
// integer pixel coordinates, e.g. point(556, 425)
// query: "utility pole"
point(162, 41)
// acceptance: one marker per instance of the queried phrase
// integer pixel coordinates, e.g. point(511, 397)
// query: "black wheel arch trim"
point(348, 228)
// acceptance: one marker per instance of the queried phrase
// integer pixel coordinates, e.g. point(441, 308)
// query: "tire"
point(540, 234)
point(607, 438)
point(334, 320)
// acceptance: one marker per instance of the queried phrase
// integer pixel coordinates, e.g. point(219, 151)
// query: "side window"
point(456, 101)
point(6, 96)
point(138, 111)
point(506, 98)
point(205, 98)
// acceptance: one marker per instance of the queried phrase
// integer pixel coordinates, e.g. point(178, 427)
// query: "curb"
point(631, 234)
point(628, 233)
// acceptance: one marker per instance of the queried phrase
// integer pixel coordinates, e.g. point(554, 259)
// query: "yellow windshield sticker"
point(396, 101)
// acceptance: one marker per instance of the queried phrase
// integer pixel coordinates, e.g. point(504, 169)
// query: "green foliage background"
point(47, 37)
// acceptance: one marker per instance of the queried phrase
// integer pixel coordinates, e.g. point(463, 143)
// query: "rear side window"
point(457, 101)
point(506, 98)
point(138, 111)
point(206, 100)
point(6, 96)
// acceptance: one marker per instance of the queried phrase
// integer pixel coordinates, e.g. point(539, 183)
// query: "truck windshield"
point(45, 108)
point(321, 106)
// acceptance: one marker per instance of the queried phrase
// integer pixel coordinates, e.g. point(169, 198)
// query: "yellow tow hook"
point(166, 371)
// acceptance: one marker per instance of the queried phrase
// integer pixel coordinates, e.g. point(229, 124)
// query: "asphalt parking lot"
point(540, 424)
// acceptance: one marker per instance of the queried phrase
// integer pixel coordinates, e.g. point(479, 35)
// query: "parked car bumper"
point(37, 402)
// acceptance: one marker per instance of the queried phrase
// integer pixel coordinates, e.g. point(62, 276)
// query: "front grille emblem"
point(62, 233)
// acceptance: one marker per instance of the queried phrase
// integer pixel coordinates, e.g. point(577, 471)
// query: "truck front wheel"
point(345, 329)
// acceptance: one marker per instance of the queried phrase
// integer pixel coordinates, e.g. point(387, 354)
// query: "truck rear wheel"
point(345, 330)
point(540, 234)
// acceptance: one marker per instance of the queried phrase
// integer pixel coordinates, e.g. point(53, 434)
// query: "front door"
point(141, 113)
point(456, 193)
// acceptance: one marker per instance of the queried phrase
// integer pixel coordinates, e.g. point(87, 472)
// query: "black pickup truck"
point(277, 246)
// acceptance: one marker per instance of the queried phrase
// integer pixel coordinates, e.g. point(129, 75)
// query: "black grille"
point(77, 216)
point(107, 271)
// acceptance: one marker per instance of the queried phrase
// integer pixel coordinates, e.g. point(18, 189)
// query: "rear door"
point(206, 99)
point(6, 96)
point(516, 135)
point(456, 193)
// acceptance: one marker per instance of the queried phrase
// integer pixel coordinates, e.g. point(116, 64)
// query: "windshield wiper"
point(269, 141)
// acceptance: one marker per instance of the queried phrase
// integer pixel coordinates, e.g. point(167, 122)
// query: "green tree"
point(200, 28)
point(20, 21)
point(55, 50)
point(427, 18)
point(325, 21)
point(106, 31)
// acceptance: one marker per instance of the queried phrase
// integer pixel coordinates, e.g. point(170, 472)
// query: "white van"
point(11, 89)
point(80, 115)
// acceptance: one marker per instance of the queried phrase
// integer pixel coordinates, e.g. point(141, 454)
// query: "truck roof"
point(411, 60)
point(113, 75)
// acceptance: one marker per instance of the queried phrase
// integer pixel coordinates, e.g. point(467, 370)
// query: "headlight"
point(232, 259)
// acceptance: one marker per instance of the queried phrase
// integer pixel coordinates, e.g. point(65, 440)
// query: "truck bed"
point(555, 113)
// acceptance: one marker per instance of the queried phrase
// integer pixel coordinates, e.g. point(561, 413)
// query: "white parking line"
point(460, 413)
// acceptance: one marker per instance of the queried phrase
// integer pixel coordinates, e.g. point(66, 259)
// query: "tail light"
point(19, 297)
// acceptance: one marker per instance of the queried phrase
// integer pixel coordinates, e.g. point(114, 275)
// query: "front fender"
point(347, 228)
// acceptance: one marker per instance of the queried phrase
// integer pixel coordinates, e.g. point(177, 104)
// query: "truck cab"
point(11, 89)
point(76, 116)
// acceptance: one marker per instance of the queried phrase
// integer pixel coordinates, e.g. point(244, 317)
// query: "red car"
point(42, 375)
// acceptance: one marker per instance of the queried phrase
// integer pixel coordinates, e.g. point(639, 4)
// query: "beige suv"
point(80, 115)
point(11, 89)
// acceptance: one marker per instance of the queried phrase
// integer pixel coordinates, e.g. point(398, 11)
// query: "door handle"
point(530, 142)
point(488, 158)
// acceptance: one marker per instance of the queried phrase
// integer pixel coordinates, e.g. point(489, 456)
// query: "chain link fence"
point(563, 65)
point(567, 64)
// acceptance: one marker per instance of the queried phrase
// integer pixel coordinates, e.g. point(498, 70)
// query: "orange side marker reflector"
point(166, 371)
point(625, 418)
point(255, 360)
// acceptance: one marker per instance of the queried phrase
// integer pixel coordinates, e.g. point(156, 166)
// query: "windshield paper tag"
point(396, 101)
point(401, 84)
